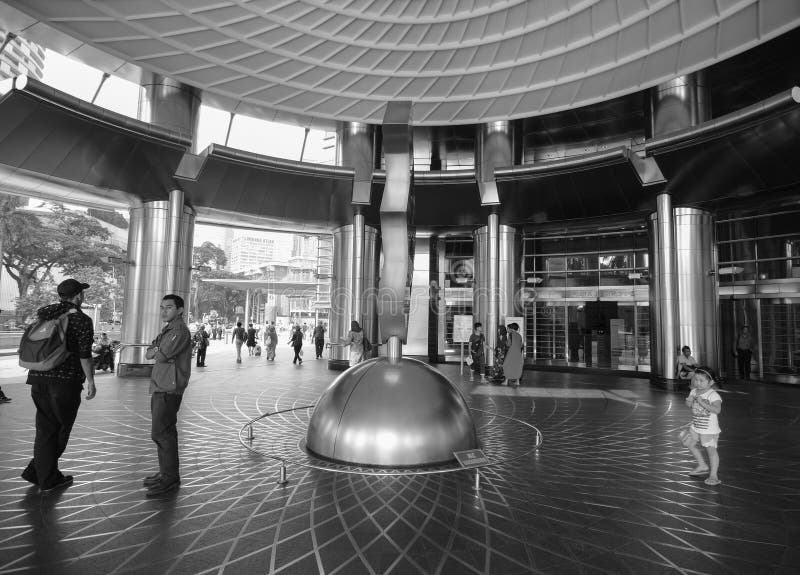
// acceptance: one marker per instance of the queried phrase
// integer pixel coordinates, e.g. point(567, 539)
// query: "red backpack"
point(44, 344)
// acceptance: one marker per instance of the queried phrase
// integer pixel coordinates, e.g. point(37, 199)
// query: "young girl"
point(706, 404)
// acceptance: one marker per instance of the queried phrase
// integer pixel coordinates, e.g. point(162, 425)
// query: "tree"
point(209, 254)
point(212, 296)
point(38, 243)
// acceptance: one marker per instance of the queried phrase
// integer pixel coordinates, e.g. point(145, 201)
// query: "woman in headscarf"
point(500, 354)
point(356, 341)
point(272, 341)
point(513, 360)
point(297, 343)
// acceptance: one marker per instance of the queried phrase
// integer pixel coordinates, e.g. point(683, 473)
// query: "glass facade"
point(759, 275)
point(587, 300)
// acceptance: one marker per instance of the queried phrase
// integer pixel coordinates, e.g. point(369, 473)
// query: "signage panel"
point(462, 328)
point(471, 458)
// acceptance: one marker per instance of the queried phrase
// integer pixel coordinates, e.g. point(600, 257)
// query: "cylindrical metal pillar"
point(344, 295)
point(492, 305)
point(663, 291)
point(680, 103)
point(698, 289)
point(169, 103)
point(248, 312)
point(355, 145)
point(159, 251)
point(356, 313)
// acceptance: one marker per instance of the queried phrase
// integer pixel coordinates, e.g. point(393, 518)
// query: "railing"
point(122, 346)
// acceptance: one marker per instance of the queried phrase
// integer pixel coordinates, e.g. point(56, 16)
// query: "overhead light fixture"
point(536, 280)
point(634, 276)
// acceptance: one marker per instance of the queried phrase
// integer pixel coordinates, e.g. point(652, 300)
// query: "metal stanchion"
point(282, 478)
point(477, 480)
point(250, 434)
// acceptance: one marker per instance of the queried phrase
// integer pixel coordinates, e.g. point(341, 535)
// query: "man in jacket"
point(201, 339)
point(57, 393)
point(172, 351)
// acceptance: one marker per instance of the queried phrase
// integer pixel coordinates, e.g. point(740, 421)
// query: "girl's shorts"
point(705, 439)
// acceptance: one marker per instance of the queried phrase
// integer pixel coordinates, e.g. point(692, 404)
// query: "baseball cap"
point(71, 287)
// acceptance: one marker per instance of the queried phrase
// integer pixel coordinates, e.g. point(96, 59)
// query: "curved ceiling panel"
point(459, 61)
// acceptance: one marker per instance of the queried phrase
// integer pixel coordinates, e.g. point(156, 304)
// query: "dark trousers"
point(57, 406)
point(201, 356)
point(297, 354)
point(743, 359)
point(164, 413)
point(319, 344)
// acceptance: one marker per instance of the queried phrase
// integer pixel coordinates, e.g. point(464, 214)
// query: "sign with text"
point(462, 328)
point(471, 458)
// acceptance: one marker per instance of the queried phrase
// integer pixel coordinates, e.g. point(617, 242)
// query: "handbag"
point(469, 361)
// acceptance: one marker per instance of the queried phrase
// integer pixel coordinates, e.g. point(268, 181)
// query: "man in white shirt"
point(686, 363)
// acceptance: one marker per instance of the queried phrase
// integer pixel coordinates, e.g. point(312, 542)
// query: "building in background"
point(19, 56)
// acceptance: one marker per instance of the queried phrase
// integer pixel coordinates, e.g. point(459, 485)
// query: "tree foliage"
point(63, 239)
point(212, 296)
point(209, 254)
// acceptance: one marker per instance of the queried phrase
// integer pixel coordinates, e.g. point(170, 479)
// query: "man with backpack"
point(60, 361)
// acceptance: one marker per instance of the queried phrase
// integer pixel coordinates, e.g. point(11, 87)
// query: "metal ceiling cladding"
point(313, 63)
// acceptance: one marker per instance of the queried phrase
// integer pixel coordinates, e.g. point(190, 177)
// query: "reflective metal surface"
point(495, 149)
point(397, 206)
point(679, 103)
point(663, 290)
point(171, 104)
point(356, 313)
point(159, 252)
point(400, 414)
point(355, 149)
point(696, 264)
point(343, 293)
point(495, 298)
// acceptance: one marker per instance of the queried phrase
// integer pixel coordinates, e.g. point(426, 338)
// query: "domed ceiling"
point(458, 61)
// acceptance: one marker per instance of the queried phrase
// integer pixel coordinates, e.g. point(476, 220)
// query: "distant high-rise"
point(249, 252)
point(19, 56)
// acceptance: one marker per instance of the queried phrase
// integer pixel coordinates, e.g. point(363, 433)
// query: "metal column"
point(663, 291)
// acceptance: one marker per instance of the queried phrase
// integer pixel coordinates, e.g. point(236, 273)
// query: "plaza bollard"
point(282, 478)
point(250, 434)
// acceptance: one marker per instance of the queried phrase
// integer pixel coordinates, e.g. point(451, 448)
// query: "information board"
point(471, 457)
point(462, 328)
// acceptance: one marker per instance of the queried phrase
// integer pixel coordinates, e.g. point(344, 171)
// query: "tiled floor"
point(606, 493)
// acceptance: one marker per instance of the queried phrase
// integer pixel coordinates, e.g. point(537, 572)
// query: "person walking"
point(743, 352)
point(297, 343)
point(513, 361)
point(251, 339)
point(172, 352)
point(201, 340)
point(319, 339)
point(238, 337)
point(355, 339)
point(271, 341)
point(57, 393)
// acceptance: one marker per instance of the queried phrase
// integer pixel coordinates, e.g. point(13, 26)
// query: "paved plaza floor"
point(607, 491)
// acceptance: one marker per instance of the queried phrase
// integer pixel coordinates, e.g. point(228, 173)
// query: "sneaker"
point(63, 483)
point(152, 480)
point(4, 398)
point(163, 487)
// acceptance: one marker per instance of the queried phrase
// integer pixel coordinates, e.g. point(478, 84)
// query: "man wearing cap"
point(57, 393)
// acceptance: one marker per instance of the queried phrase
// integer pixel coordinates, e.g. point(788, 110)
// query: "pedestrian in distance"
point(251, 340)
point(56, 392)
point(172, 352)
point(238, 337)
point(296, 342)
point(743, 351)
point(319, 339)
point(706, 405)
point(271, 341)
point(355, 339)
point(201, 345)
point(513, 360)
point(477, 351)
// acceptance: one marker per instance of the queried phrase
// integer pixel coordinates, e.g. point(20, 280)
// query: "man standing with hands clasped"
point(172, 350)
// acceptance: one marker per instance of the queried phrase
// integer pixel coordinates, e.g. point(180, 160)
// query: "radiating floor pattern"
point(607, 492)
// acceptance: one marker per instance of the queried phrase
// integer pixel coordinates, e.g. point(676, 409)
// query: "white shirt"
point(704, 421)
